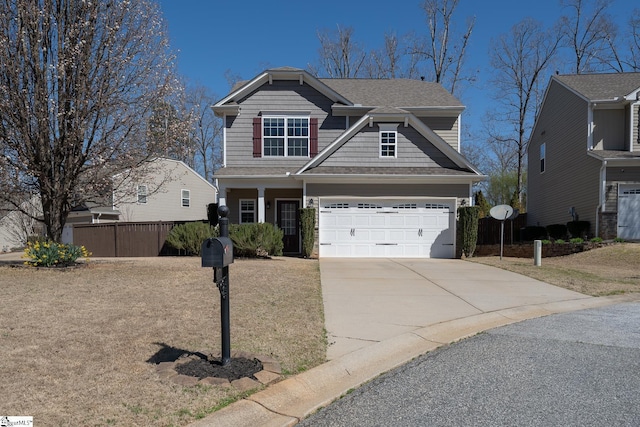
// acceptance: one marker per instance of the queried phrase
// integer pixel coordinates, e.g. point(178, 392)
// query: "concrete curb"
point(285, 403)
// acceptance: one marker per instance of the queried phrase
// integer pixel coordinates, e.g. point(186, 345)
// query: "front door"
point(289, 223)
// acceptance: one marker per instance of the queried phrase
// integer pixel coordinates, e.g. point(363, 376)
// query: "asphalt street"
point(574, 369)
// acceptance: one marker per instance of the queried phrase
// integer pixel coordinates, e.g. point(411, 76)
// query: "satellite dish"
point(501, 212)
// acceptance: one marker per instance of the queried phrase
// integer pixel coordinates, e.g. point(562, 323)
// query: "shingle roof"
point(602, 86)
point(393, 92)
point(610, 154)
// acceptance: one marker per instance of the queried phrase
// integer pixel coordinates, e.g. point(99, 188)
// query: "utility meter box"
point(217, 252)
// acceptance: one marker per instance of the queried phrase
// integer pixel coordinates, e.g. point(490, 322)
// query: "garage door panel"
point(629, 212)
point(386, 228)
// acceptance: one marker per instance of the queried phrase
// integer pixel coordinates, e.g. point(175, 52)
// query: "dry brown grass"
point(609, 270)
point(74, 344)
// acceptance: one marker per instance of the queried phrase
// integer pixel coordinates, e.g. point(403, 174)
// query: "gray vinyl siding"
point(609, 130)
point(412, 149)
point(636, 128)
point(388, 190)
point(571, 177)
point(445, 127)
point(284, 97)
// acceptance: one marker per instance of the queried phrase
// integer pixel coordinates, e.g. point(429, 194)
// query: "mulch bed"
point(237, 368)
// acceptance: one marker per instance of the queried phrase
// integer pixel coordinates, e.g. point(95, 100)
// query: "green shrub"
point(560, 241)
point(188, 237)
point(596, 240)
point(308, 225)
point(618, 240)
point(577, 240)
point(557, 231)
point(52, 254)
point(546, 242)
point(256, 239)
point(468, 229)
point(578, 228)
point(533, 232)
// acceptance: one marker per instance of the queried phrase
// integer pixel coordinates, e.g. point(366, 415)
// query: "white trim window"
point(247, 211)
point(186, 198)
point(543, 157)
point(142, 192)
point(285, 136)
point(388, 140)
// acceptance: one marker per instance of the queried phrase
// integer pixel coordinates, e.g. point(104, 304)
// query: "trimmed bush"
point(533, 232)
point(308, 225)
point(256, 240)
point(578, 228)
point(188, 237)
point(51, 254)
point(576, 240)
point(557, 231)
point(468, 229)
point(597, 240)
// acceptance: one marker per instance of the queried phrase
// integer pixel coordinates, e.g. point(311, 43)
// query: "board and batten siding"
point(282, 97)
point(412, 149)
point(571, 177)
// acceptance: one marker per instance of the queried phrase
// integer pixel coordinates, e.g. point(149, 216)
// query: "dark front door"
point(289, 223)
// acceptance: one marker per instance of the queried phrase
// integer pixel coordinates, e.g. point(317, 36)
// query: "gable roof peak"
point(601, 86)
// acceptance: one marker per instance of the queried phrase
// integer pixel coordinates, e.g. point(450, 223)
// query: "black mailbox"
point(217, 252)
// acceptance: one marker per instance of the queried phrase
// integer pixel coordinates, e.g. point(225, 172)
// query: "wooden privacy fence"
point(123, 239)
point(489, 230)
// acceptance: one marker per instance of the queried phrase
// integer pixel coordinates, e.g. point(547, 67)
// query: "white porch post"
point(261, 208)
point(222, 195)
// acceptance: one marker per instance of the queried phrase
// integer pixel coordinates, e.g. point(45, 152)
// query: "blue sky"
point(248, 36)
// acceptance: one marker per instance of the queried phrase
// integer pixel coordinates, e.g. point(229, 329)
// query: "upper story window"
point(247, 211)
point(186, 198)
point(285, 136)
point(142, 194)
point(543, 154)
point(388, 140)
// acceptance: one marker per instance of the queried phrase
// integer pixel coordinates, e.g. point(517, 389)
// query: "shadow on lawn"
point(168, 353)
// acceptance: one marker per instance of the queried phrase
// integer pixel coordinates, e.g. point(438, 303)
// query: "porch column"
point(222, 195)
point(261, 208)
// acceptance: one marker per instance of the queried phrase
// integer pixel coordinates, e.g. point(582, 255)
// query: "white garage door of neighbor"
point(629, 211)
point(378, 228)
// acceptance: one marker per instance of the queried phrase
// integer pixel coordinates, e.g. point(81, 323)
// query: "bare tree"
point(520, 59)
point(444, 48)
point(78, 84)
point(340, 55)
point(590, 34)
point(206, 131)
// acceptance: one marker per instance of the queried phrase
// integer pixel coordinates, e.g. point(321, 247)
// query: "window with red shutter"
point(257, 137)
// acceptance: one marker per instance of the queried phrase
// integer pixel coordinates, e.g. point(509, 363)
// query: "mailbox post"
point(217, 252)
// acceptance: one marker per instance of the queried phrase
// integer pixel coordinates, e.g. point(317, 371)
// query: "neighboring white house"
point(16, 227)
point(168, 190)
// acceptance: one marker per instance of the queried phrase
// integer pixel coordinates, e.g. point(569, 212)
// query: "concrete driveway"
point(371, 300)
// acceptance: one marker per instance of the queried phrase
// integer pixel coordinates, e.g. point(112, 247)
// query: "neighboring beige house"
point(584, 154)
point(168, 190)
point(379, 159)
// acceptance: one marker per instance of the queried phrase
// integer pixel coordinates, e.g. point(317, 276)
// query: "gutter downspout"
point(601, 195)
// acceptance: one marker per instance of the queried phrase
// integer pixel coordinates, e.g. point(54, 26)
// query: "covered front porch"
point(277, 202)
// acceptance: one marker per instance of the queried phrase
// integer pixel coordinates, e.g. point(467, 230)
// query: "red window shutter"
point(257, 137)
point(313, 136)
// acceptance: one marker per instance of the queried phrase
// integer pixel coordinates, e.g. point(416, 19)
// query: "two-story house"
point(378, 159)
point(584, 155)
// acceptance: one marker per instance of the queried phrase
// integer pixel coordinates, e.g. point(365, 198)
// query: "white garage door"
point(387, 228)
point(629, 212)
